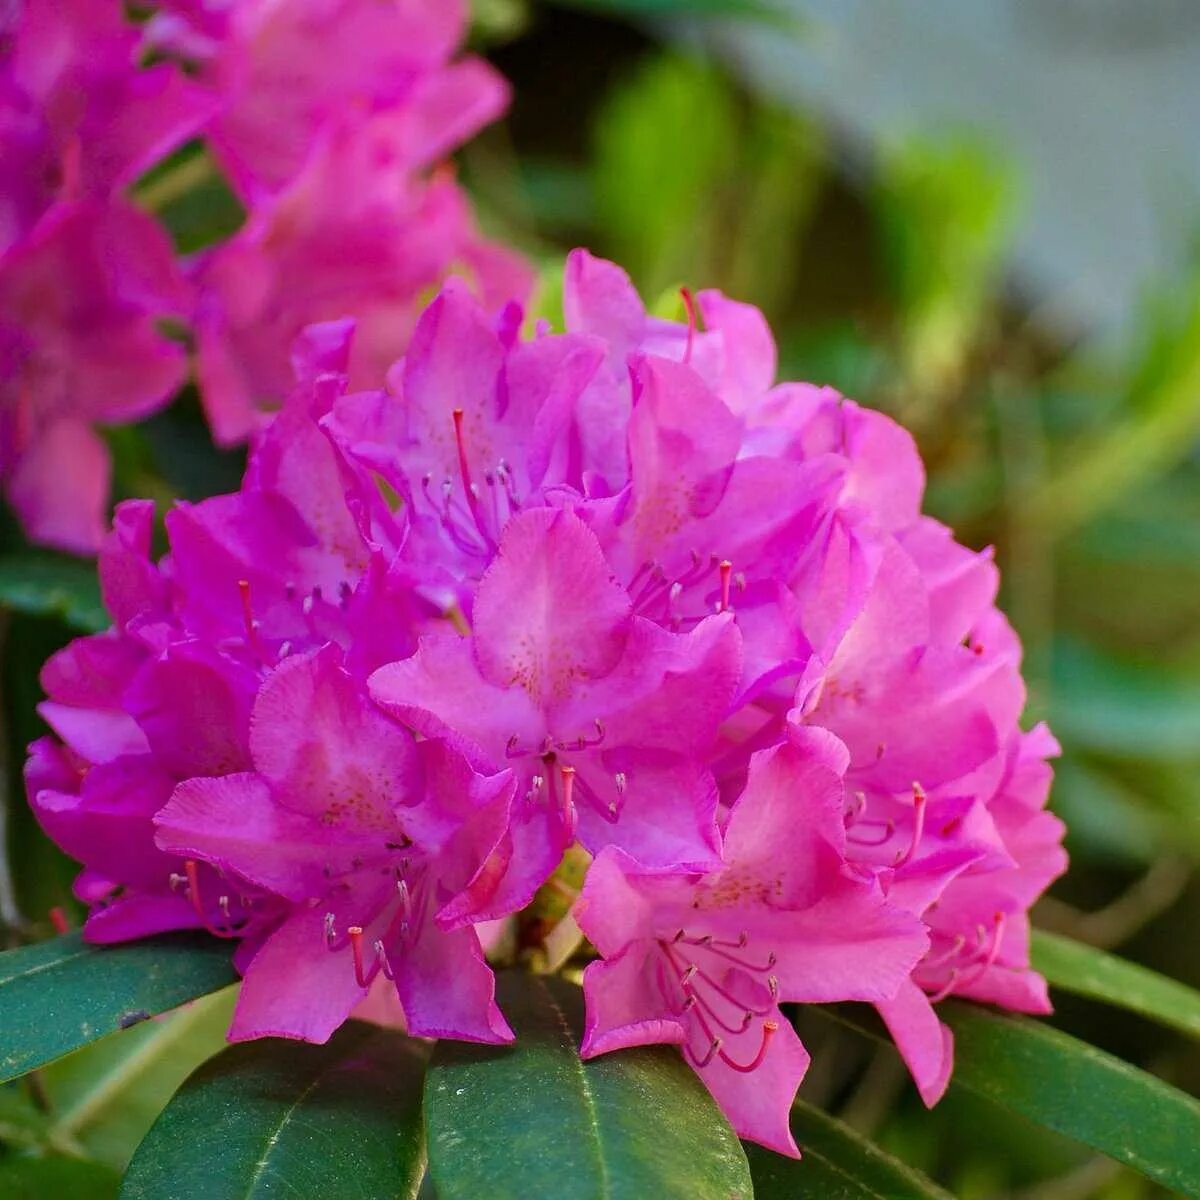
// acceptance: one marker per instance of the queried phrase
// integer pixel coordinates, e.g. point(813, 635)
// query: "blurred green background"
point(898, 266)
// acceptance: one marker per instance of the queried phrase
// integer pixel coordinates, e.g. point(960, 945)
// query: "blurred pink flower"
point(356, 234)
point(80, 345)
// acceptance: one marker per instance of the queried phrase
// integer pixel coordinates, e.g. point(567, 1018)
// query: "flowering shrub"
point(567, 733)
point(611, 587)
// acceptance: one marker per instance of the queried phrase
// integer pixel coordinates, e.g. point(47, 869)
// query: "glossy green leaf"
point(104, 1098)
point(837, 1164)
point(533, 1119)
point(53, 585)
point(1086, 971)
point(274, 1118)
point(1073, 1088)
point(58, 995)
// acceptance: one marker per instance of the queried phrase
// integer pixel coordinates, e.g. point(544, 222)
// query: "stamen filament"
point(919, 800)
point(769, 1030)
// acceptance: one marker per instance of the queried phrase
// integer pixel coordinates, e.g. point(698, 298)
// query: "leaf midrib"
point(272, 1141)
point(589, 1100)
point(29, 972)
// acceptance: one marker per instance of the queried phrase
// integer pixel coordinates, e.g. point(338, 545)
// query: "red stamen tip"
point(567, 775)
point(726, 572)
point(193, 881)
point(355, 934)
point(58, 919)
point(248, 613)
point(689, 305)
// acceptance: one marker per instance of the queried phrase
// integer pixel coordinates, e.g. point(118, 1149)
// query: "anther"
point(58, 919)
point(192, 873)
point(714, 1048)
point(382, 958)
point(621, 780)
point(330, 930)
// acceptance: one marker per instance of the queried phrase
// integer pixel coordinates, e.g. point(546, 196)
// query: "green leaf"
point(53, 585)
point(1086, 971)
point(272, 1117)
point(24, 1177)
point(61, 994)
point(654, 190)
point(105, 1097)
point(1123, 707)
point(838, 1164)
point(533, 1119)
point(1071, 1087)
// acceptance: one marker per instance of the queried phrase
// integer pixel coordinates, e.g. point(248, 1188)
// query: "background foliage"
point(893, 283)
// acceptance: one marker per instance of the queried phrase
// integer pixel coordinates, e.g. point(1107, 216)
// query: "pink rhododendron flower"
point(705, 960)
point(80, 300)
point(613, 586)
point(370, 837)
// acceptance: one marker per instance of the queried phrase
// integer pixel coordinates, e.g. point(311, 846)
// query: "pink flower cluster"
point(612, 587)
point(325, 115)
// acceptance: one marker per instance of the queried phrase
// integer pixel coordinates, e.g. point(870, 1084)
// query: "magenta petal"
point(925, 1044)
point(59, 488)
point(193, 704)
point(107, 823)
point(758, 1103)
point(440, 693)
point(668, 810)
point(294, 987)
point(748, 348)
point(234, 823)
point(599, 298)
point(453, 364)
point(787, 825)
point(129, 582)
point(446, 987)
point(326, 749)
point(850, 945)
point(139, 915)
point(98, 735)
point(548, 612)
point(625, 1004)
